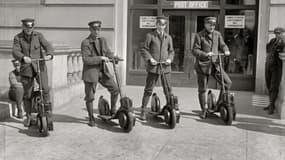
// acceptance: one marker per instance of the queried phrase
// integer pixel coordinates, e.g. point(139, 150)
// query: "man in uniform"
point(95, 52)
point(273, 67)
point(29, 45)
point(158, 47)
point(207, 43)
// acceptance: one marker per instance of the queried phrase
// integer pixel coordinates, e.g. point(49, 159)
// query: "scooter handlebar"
point(41, 59)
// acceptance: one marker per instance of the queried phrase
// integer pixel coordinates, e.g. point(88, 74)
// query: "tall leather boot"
point(202, 101)
point(143, 107)
point(28, 110)
point(20, 111)
point(89, 106)
point(114, 99)
point(48, 108)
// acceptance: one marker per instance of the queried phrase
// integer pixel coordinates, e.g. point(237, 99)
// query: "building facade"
point(247, 25)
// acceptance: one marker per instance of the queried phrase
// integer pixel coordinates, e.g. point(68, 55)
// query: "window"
point(241, 2)
point(241, 42)
point(145, 1)
point(138, 37)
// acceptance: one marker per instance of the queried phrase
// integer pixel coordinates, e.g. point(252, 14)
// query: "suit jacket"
point(33, 48)
point(203, 44)
point(159, 49)
point(273, 48)
point(92, 63)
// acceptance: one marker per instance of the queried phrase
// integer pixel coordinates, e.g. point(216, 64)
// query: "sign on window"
point(147, 21)
point(234, 21)
point(191, 4)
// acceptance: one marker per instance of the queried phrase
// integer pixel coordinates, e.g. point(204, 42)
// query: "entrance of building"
point(183, 25)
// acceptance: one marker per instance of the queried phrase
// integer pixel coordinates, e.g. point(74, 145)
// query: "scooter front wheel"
point(227, 114)
point(170, 117)
point(43, 125)
point(126, 120)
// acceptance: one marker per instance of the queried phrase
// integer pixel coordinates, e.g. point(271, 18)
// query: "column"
point(281, 95)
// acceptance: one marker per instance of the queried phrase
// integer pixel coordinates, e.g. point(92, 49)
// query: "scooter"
point(225, 104)
point(125, 113)
point(170, 111)
point(43, 119)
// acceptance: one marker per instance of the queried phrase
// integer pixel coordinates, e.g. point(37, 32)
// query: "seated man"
point(16, 91)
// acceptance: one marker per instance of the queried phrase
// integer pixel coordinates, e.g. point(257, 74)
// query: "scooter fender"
point(103, 106)
point(126, 104)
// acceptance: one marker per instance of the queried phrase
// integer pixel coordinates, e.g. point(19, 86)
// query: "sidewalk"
point(253, 136)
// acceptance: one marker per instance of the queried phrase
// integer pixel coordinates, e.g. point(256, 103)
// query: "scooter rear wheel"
point(170, 117)
point(155, 103)
point(227, 114)
point(126, 120)
point(211, 101)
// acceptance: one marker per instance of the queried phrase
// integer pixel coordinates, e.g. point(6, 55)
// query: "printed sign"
point(234, 21)
point(191, 4)
point(147, 21)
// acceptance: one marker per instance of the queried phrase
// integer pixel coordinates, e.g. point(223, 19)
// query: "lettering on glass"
point(191, 4)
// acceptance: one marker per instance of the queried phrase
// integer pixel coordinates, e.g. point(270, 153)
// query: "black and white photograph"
point(142, 80)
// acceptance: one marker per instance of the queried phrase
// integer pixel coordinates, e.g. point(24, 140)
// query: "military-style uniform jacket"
point(158, 48)
point(92, 63)
point(273, 48)
point(31, 47)
point(203, 44)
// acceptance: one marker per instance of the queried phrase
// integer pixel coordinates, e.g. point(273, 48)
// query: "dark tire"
point(226, 114)
point(44, 126)
point(170, 117)
point(126, 121)
point(155, 103)
point(211, 100)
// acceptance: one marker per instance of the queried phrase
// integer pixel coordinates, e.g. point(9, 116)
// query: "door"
point(183, 25)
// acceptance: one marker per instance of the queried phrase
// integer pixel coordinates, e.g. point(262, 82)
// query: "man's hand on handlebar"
point(168, 62)
point(105, 59)
point(227, 53)
point(27, 59)
point(210, 54)
point(48, 57)
point(153, 61)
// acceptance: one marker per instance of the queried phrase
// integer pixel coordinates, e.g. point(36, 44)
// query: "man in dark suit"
point(273, 67)
point(95, 52)
point(158, 47)
point(29, 45)
point(207, 43)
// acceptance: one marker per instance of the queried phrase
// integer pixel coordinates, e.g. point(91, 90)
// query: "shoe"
point(91, 122)
point(27, 122)
point(50, 126)
point(203, 115)
point(20, 115)
point(271, 110)
point(142, 115)
point(266, 108)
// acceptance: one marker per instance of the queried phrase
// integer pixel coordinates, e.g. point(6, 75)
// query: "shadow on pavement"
point(151, 120)
point(109, 125)
point(67, 119)
point(30, 131)
point(260, 125)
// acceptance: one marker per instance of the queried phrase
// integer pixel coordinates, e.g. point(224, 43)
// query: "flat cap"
point(212, 20)
point(28, 22)
point(279, 30)
point(95, 24)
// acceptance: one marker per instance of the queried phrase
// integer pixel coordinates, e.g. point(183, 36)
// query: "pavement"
point(254, 135)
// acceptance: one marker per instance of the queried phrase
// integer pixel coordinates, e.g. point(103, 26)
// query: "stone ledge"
point(4, 110)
